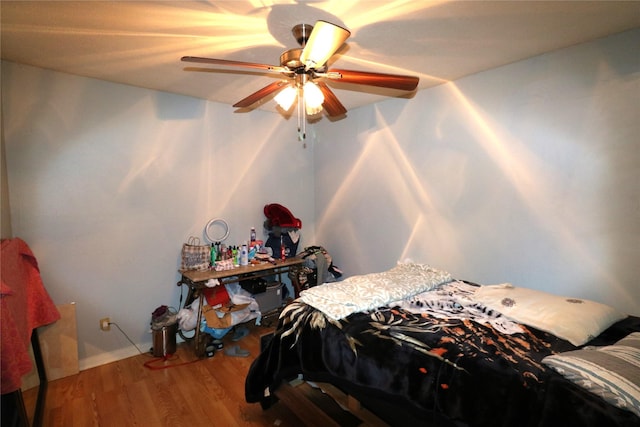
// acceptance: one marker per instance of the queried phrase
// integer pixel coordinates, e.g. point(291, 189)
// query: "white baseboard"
point(114, 356)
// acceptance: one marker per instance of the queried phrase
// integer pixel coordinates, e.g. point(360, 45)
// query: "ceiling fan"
point(305, 71)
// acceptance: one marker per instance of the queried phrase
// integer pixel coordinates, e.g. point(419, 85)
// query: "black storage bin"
point(256, 285)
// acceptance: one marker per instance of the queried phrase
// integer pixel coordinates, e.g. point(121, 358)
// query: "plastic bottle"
point(213, 255)
point(244, 255)
point(253, 234)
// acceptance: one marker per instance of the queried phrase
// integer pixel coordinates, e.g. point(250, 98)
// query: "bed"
point(417, 347)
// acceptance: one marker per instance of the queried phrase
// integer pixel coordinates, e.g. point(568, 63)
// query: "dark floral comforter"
point(414, 367)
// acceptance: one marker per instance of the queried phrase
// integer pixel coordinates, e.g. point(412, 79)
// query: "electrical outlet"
point(105, 324)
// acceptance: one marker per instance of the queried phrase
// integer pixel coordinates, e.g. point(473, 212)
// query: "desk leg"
point(198, 344)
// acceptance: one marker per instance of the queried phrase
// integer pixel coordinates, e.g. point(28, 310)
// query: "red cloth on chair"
point(25, 305)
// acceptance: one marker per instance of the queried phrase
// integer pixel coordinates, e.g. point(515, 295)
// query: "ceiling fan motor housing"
point(302, 32)
point(291, 59)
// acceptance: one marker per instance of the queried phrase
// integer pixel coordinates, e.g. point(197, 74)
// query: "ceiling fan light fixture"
point(286, 97)
point(311, 111)
point(313, 97)
point(324, 41)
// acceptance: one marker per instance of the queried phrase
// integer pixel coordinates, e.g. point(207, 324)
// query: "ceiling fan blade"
point(392, 81)
point(324, 41)
point(331, 104)
point(239, 64)
point(258, 95)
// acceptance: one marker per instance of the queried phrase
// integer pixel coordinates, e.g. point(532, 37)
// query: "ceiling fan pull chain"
point(298, 113)
point(303, 113)
point(302, 122)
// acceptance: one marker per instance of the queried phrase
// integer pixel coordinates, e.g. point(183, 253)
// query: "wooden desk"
point(196, 281)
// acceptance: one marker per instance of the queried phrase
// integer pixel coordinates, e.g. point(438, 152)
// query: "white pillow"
point(573, 319)
point(611, 372)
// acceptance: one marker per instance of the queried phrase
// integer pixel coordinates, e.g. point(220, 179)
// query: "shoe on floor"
point(239, 334)
point(236, 351)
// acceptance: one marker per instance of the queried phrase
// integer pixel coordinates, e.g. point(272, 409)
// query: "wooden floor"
point(207, 392)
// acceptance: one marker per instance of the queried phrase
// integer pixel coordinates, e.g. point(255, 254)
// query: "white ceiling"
point(140, 43)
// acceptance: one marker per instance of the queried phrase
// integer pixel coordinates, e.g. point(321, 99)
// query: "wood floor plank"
point(107, 415)
point(206, 392)
point(81, 412)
